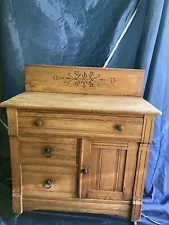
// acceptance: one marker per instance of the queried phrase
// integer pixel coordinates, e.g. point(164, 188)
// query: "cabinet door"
point(107, 169)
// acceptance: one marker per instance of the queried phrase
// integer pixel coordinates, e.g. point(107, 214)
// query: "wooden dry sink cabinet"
point(79, 140)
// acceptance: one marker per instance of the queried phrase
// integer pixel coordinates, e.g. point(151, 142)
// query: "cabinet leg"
point(134, 223)
point(16, 215)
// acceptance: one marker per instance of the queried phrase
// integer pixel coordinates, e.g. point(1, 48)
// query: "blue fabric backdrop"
point(83, 33)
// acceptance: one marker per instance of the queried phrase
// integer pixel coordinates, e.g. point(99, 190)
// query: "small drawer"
point(48, 182)
point(48, 150)
point(124, 127)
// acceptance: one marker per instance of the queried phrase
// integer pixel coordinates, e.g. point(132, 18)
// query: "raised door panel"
point(107, 169)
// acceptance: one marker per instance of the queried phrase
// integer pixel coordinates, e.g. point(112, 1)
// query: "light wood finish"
point(107, 195)
point(111, 169)
point(142, 166)
point(16, 174)
point(140, 175)
point(63, 150)
point(121, 208)
point(63, 181)
point(85, 157)
point(69, 124)
point(139, 179)
point(147, 129)
point(83, 149)
point(136, 210)
point(82, 103)
point(84, 80)
point(130, 170)
point(12, 123)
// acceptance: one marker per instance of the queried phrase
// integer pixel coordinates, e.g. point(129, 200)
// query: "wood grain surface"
point(121, 208)
point(97, 129)
point(82, 103)
point(69, 124)
point(84, 80)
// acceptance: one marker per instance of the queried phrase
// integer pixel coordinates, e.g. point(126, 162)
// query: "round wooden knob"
point(47, 152)
point(48, 183)
point(39, 123)
point(120, 127)
point(84, 170)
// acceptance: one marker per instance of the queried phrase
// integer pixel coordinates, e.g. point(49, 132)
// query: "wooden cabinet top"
point(82, 103)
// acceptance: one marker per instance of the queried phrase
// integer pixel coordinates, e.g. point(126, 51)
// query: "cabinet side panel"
point(147, 129)
point(139, 181)
point(16, 175)
point(12, 121)
point(142, 166)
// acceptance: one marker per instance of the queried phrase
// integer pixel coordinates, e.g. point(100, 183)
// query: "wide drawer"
point(48, 151)
point(80, 125)
point(49, 182)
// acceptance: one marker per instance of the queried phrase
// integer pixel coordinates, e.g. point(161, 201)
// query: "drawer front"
point(48, 151)
point(49, 182)
point(66, 124)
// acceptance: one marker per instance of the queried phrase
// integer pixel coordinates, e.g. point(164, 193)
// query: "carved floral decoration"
point(84, 79)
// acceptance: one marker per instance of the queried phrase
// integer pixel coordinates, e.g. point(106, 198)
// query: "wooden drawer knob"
point(84, 170)
point(120, 127)
point(47, 152)
point(48, 183)
point(39, 123)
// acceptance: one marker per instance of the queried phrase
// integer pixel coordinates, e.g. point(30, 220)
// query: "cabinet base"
point(120, 208)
